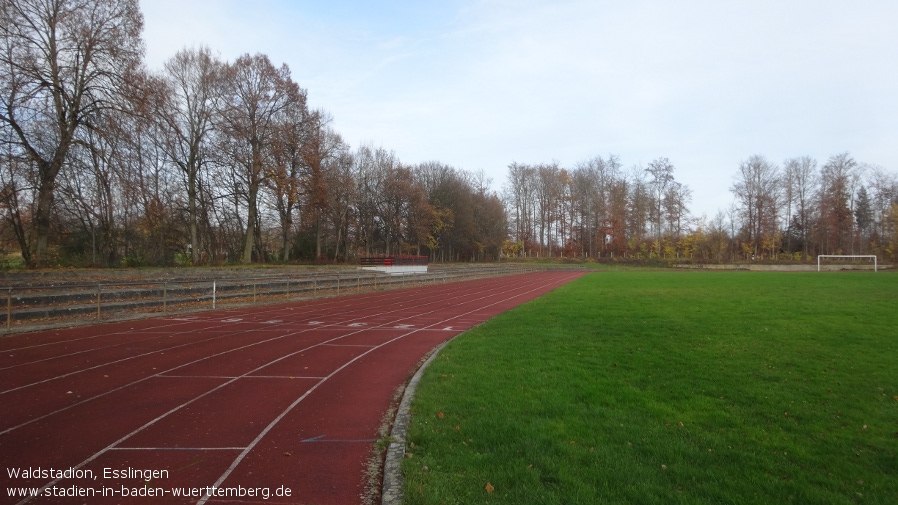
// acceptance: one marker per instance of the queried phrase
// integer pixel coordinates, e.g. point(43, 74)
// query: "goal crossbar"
point(875, 266)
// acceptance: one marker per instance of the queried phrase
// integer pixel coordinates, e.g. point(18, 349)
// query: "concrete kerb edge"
point(391, 493)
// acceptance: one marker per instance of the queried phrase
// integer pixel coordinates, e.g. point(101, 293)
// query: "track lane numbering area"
point(274, 404)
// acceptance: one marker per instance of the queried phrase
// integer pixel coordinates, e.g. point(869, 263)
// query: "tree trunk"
point(45, 195)
point(318, 255)
point(191, 205)
point(285, 239)
point(250, 236)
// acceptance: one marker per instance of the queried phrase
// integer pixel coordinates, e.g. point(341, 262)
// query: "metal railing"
point(57, 303)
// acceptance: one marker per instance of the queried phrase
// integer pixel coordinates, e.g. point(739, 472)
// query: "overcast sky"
point(480, 84)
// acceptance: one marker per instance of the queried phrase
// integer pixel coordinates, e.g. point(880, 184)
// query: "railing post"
point(99, 316)
point(213, 294)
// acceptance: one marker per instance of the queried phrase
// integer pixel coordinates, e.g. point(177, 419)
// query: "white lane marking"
point(283, 414)
point(276, 420)
point(186, 344)
point(323, 438)
point(229, 377)
point(177, 448)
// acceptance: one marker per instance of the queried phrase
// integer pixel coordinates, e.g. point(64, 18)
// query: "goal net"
point(849, 256)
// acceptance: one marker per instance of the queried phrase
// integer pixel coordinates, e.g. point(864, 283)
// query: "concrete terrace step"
point(39, 300)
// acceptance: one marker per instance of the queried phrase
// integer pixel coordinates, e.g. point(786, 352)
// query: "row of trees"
point(794, 210)
point(843, 207)
point(595, 209)
point(105, 161)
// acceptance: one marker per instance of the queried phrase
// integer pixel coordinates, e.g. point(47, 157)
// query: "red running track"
point(280, 404)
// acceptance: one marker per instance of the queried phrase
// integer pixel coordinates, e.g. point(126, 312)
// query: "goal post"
point(821, 256)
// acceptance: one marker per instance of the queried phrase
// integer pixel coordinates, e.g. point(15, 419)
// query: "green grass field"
point(669, 387)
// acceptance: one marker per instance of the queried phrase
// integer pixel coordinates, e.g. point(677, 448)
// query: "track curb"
point(391, 493)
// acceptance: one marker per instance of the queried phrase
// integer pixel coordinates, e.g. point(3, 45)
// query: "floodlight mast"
point(875, 265)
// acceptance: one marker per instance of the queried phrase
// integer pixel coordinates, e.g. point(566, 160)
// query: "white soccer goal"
point(875, 264)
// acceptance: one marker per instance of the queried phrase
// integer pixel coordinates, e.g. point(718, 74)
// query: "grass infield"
point(668, 387)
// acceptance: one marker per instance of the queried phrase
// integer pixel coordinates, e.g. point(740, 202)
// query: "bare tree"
point(639, 203)
point(676, 208)
point(257, 93)
point(835, 193)
point(341, 200)
point(614, 236)
point(592, 183)
point(661, 171)
point(62, 62)
point(800, 182)
point(371, 171)
point(90, 194)
point(548, 196)
point(192, 79)
point(321, 150)
point(863, 215)
point(884, 186)
point(520, 196)
point(757, 194)
point(448, 191)
point(287, 173)
point(17, 189)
